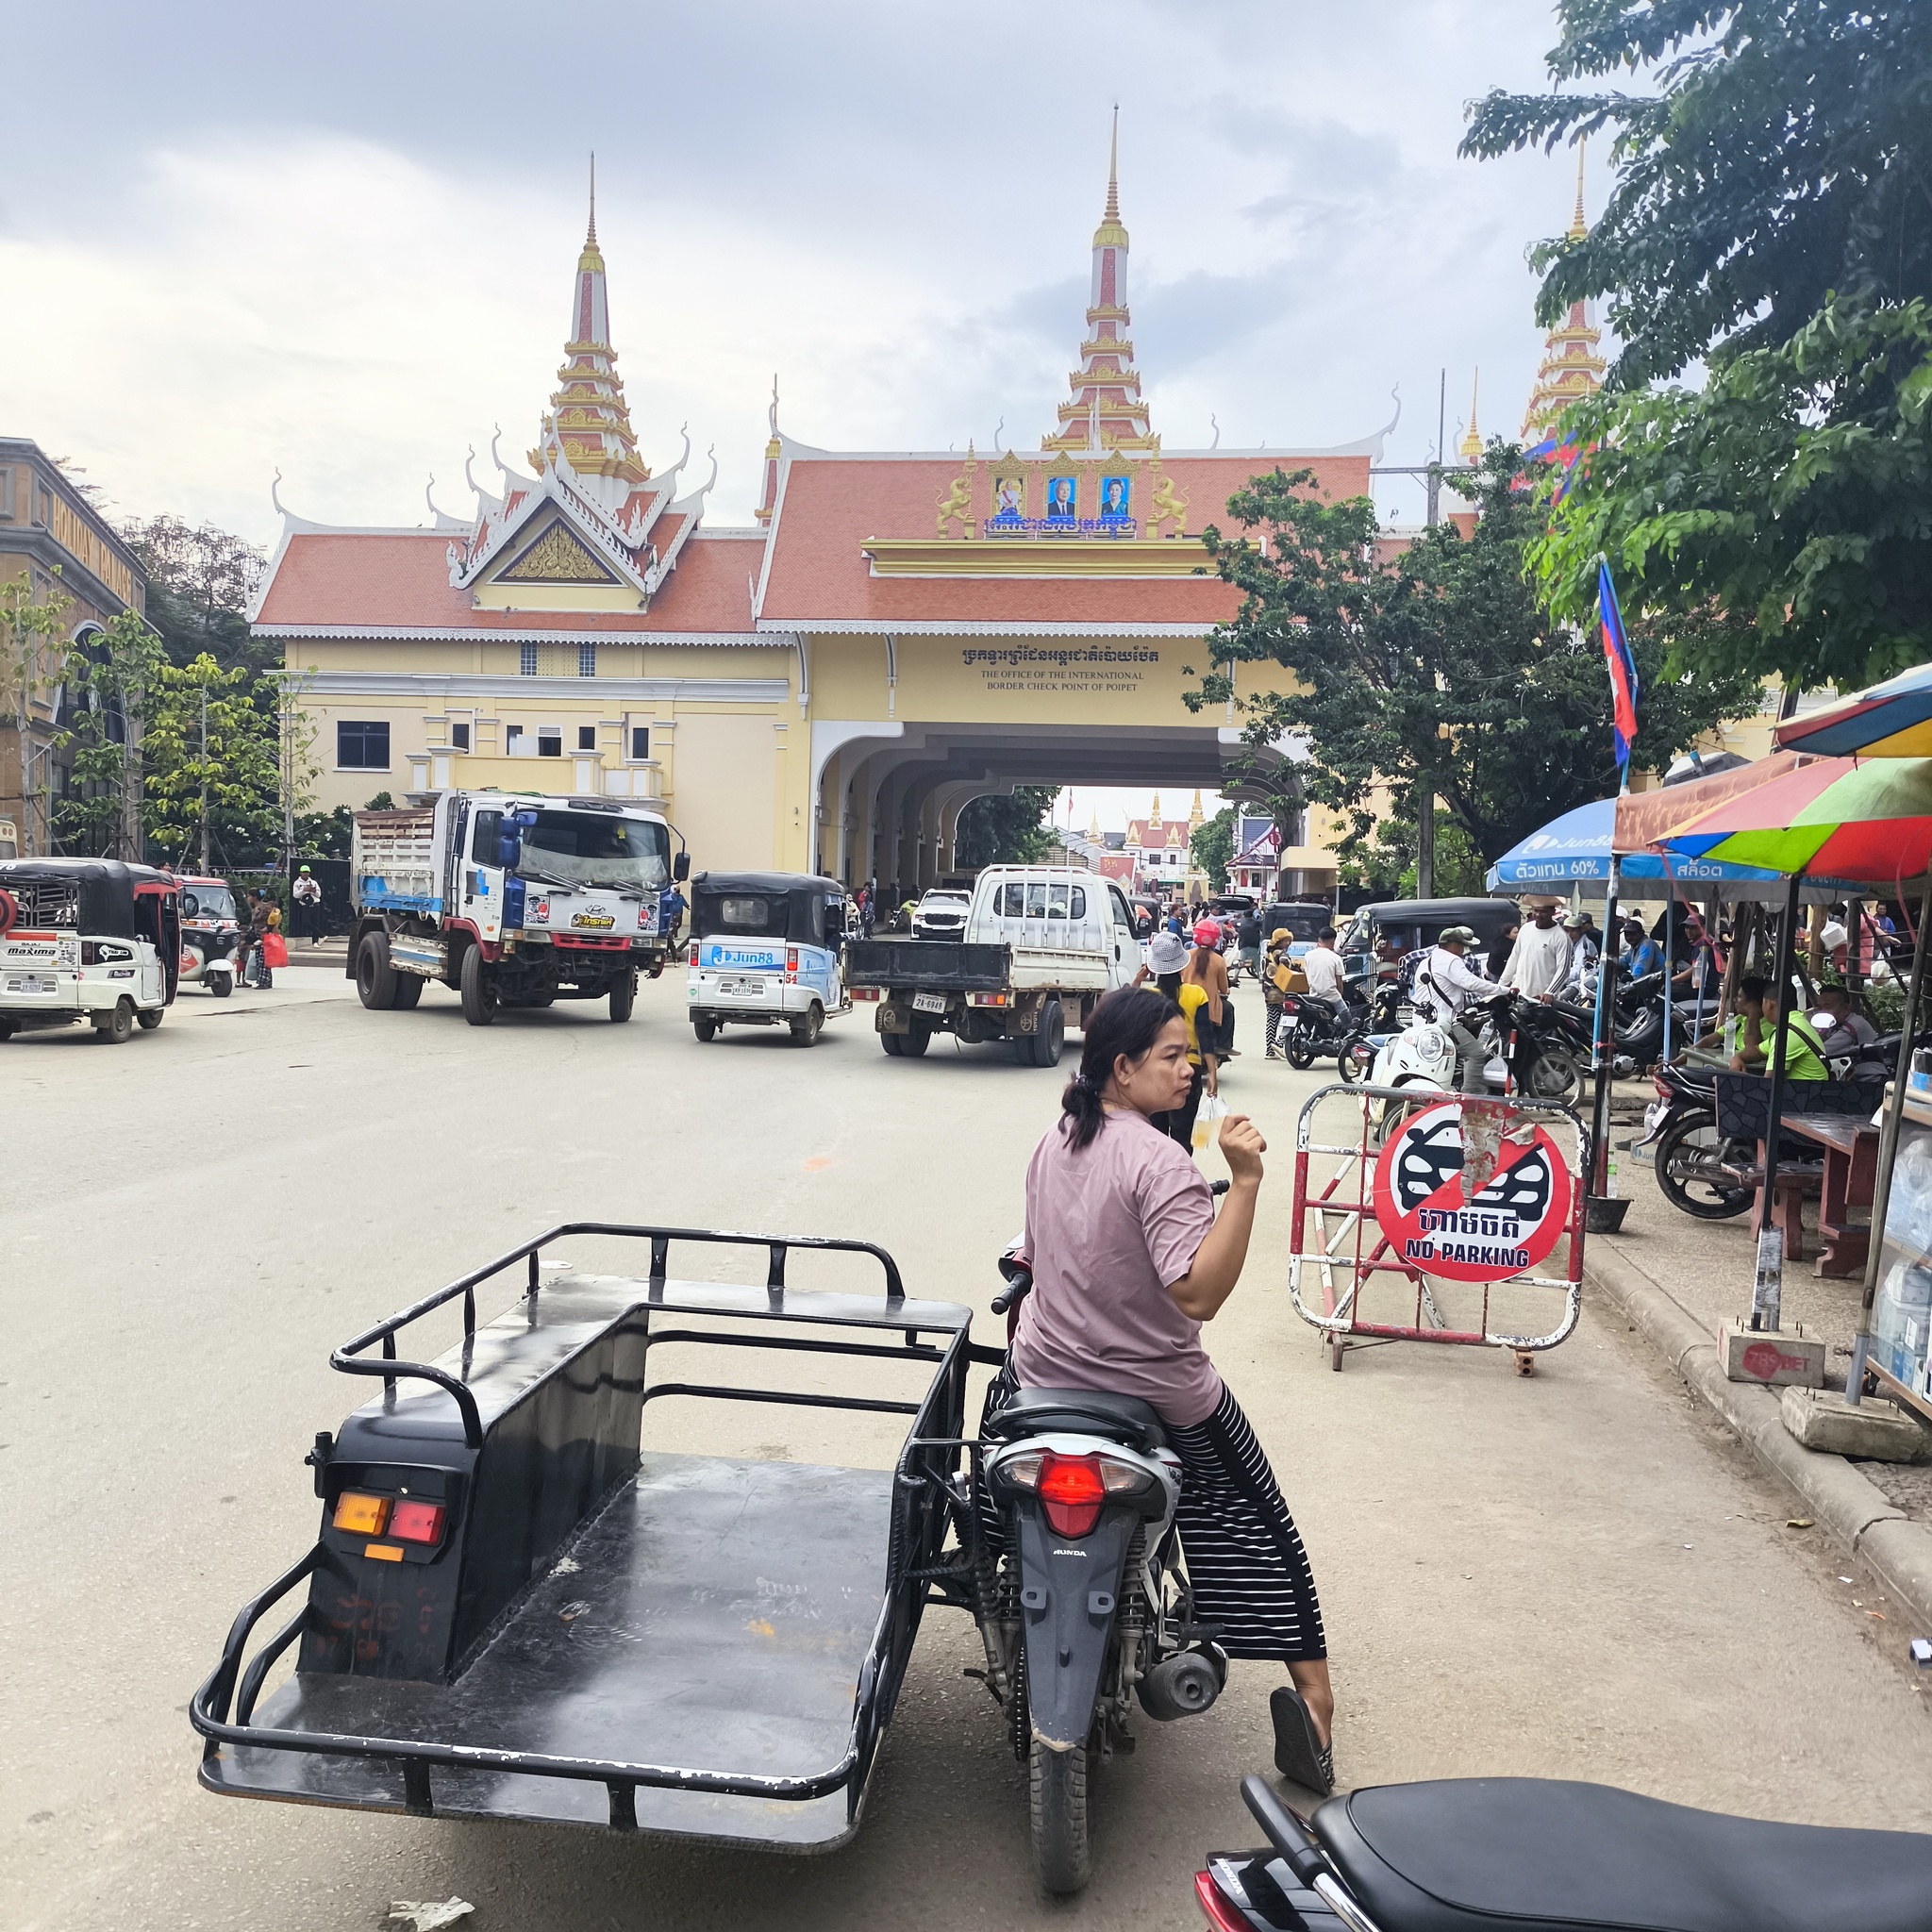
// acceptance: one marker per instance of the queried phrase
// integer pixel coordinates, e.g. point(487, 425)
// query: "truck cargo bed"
point(949, 964)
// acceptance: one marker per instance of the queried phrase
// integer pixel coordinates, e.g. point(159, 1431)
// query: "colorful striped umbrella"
point(1892, 720)
point(1856, 821)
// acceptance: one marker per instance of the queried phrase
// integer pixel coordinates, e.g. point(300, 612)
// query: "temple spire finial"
point(1570, 368)
point(591, 233)
point(1471, 448)
point(1578, 226)
point(1113, 159)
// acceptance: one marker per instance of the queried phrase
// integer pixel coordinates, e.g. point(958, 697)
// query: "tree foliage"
point(31, 652)
point(1795, 490)
point(1436, 670)
point(108, 687)
point(1783, 152)
point(1000, 830)
point(200, 579)
point(237, 765)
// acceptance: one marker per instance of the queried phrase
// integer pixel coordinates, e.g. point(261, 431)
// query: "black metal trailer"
point(511, 1610)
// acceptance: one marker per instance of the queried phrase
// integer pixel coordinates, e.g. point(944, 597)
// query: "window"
point(550, 741)
point(516, 743)
point(1040, 900)
point(587, 737)
point(6, 494)
point(587, 660)
point(459, 737)
point(527, 659)
point(640, 743)
point(361, 745)
point(484, 848)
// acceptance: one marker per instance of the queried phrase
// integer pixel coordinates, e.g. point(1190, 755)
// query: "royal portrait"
point(1059, 498)
point(1113, 496)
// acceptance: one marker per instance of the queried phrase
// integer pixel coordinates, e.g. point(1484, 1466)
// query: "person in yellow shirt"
point(1193, 1000)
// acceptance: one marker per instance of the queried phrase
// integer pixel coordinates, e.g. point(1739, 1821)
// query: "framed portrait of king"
point(1061, 504)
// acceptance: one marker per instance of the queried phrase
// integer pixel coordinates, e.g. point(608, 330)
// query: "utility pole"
point(204, 781)
point(1432, 473)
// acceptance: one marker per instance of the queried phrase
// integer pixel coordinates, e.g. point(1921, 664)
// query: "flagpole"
point(1622, 670)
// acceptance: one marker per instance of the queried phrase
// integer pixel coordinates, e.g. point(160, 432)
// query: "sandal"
point(1299, 1755)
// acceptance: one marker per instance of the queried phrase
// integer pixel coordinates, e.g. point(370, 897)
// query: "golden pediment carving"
point(556, 557)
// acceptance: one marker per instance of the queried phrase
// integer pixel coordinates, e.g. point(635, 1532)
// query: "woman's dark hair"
point(1128, 1022)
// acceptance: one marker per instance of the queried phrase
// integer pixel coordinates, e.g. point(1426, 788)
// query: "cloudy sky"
point(337, 242)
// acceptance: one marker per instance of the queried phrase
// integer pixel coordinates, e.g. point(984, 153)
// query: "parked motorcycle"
point(1086, 1610)
point(1312, 1026)
point(1534, 1853)
point(1522, 1053)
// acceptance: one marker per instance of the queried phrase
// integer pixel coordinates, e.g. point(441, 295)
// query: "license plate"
point(31, 985)
point(928, 1002)
point(743, 989)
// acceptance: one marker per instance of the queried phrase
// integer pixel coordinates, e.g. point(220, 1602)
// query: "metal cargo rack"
point(694, 1644)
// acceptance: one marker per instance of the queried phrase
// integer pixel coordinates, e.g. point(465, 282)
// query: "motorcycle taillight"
point(1070, 1490)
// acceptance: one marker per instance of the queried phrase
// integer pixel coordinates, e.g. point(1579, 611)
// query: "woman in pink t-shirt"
point(1129, 1259)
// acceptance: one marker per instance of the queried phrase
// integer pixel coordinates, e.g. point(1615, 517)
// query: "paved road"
point(1571, 1575)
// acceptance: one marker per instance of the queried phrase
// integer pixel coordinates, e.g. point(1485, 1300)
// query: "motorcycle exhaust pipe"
point(1182, 1686)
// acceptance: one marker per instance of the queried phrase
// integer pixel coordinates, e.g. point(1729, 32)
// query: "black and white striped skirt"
point(1245, 1558)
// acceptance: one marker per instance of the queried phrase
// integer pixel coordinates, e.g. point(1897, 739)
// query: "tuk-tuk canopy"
point(764, 906)
point(89, 896)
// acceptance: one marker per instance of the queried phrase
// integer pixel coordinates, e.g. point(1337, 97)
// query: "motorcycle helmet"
point(1206, 933)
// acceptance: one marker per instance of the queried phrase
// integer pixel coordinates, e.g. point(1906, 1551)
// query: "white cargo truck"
point(1040, 946)
point(510, 899)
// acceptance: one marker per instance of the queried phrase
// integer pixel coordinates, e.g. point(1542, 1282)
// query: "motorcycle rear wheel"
point(1557, 1074)
point(1301, 1053)
point(1063, 1844)
point(1353, 1062)
point(1679, 1151)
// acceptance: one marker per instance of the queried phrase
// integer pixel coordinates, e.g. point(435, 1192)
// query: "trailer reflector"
point(384, 1553)
point(417, 1523)
point(359, 1514)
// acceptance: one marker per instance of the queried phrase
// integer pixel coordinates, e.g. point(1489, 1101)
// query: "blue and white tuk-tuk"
point(767, 950)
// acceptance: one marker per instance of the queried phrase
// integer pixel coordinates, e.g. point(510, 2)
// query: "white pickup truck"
point(1040, 945)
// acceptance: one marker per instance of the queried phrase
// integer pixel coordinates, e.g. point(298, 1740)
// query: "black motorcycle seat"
point(1084, 1411)
point(1539, 1855)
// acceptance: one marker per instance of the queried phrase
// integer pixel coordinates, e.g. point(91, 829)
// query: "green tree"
point(1437, 671)
point(109, 685)
point(1212, 847)
point(32, 652)
point(1784, 151)
point(999, 830)
point(213, 753)
point(1794, 490)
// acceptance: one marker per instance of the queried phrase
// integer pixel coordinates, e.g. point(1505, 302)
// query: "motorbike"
point(1522, 1053)
point(1086, 1610)
point(1457, 1855)
point(1311, 1027)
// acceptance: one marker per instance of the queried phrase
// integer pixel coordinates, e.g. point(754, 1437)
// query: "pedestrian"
point(1501, 949)
point(307, 894)
point(670, 909)
point(1247, 939)
point(1208, 970)
point(1539, 962)
point(1278, 974)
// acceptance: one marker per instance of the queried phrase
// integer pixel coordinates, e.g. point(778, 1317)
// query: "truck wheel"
point(706, 1030)
point(375, 978)
point(8, 1027)
point(117, 1024)
point(1050, 1035)
point(479, 996)
point(805, 1032)
point(149, 1018)
point(624, 996)
point(914, 1041)
point(895, 1044)
point(408, 991)
point(1062, 1846)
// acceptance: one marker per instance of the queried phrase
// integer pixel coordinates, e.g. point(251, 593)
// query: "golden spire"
point(1570, 367)
point(1196, 817)
point(591, 237)
point(1110, 234)
point(1471, 447)
point(1578, 226)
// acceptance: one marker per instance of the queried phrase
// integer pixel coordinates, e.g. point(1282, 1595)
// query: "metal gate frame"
point(1338, 1318)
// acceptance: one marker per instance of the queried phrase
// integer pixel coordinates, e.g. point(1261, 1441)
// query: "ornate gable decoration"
point(555, 558)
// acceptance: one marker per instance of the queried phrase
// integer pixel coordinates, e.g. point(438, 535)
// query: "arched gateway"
point(896, 635)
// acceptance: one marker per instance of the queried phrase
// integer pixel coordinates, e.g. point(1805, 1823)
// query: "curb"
point(1854, 1509)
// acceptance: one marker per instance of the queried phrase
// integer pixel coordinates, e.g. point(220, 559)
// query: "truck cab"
point(510, 900)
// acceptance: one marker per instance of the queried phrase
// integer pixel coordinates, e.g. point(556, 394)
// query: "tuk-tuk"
point(766, 950)
point(1407, 923)
point(87, 939)
point(211, 931)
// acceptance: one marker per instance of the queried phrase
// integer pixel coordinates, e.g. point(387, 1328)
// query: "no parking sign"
point(1507, 1225)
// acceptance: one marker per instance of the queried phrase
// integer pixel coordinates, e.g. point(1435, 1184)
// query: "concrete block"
point(1880, 1431)
point(1772, 1357)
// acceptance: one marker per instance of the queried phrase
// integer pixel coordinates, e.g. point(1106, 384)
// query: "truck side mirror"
point(507, 843)
point(680, 867)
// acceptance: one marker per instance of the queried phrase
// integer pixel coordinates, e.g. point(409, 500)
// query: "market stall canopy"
point(1870, 822)
point(1578, 848)
point(1892, 720)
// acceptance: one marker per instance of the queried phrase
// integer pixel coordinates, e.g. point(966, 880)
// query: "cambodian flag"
point(1622, 666)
